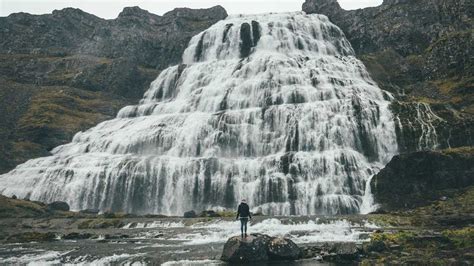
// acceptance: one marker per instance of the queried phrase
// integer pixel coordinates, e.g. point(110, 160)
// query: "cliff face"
point(422, 52)
point(69, 70)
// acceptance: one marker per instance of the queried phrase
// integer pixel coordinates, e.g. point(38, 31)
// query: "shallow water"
point(177, 241)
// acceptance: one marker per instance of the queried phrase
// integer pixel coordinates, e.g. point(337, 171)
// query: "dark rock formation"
point(64, 72)
point(58, 206)
point(416, 179)
point(259, 248)
point(422, 52)
point(190, 214)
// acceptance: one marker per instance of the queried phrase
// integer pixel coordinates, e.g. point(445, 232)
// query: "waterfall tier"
point(274, 108)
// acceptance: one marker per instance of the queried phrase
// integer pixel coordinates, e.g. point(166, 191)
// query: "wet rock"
point(75, 235)
point(58, 206)
point(283, 249)
point(190, 214)
point(245, 40)
point(416, 179)
point(258, 248)
point(343, 251)
point(250, 249)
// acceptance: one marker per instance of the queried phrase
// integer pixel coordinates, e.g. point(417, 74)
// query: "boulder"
point(190, 214)
point(281, 248)
point(75, 235)
point(58, 206)
point(345, 250)
point(249, 249)
point(417, 179)
point(259, 248)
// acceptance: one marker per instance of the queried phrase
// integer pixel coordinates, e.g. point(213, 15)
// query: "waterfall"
point(274, 108)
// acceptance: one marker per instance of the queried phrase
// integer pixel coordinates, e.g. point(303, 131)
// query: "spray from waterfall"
point(274, 108)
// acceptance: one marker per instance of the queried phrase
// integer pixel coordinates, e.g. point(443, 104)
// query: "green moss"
point(100, 223)
point(390, 220)
point(461, 238)
point(16, 208)
point(31, 237)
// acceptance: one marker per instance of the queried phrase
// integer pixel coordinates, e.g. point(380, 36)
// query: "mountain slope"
point(422, 52)
point(67, 71)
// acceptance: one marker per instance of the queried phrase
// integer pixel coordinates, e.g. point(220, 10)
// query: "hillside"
point(64, 72)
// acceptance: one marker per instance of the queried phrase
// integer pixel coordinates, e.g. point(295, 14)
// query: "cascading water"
point(273, 108)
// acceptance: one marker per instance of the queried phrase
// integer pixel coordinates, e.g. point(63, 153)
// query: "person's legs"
point(245, 226)
point(242, 227)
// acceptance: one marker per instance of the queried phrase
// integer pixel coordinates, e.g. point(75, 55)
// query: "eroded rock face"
point(64, 72)
point(420, 51)
point(416, 179)
point(259, 248)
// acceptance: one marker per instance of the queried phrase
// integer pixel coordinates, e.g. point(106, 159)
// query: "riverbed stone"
point(190, 214)
point(259, 248)
point(281, 248)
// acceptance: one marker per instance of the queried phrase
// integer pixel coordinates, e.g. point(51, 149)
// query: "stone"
point(58, 206)
point(190, 214)
point(260, 248)
point(244, 250)
point(14, 197)
point(417, 179)
point(283, 249)
point(344, 250)
point(75, 235)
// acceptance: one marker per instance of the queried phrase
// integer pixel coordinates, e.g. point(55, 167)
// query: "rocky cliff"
point(420, 178)
point(67, 71)
point(422, 52)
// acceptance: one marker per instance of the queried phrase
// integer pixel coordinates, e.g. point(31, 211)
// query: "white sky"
point(111, 8)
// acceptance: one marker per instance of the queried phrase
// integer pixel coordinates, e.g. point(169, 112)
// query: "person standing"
point(243, 212)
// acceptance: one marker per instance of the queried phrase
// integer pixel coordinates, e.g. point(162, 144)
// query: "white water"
point(296, 127)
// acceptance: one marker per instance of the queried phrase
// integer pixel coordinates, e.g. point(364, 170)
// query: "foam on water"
point(274, 108)
point(311, 231)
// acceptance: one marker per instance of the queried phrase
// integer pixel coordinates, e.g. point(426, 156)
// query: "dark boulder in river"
point(259, 248)
point(190, 214)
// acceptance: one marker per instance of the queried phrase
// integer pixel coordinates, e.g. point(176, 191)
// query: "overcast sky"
point(111, 8)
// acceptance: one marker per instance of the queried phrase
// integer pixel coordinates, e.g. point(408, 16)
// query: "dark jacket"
point(243, 211)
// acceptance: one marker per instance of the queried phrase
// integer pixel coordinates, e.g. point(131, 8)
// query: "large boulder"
point(259, 248)
point(58, 206)
point(416, 179)
point(190, 214)
point(342, 251)
point(281, 248)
